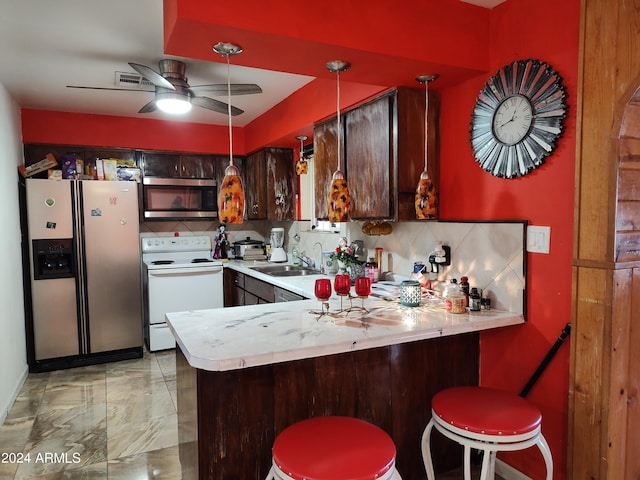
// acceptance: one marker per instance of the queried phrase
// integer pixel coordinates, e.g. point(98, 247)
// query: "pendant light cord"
point(426, 124)
point(229, 111)
point(338, 109)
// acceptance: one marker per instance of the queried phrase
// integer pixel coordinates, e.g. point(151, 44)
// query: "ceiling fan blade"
point(151, 75)
point(108, 88)
point(149, 107)
point(220, 89)
point(215, 105)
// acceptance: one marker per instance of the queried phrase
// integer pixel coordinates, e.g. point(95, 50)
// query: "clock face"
point(512, 119)
point(518, 118)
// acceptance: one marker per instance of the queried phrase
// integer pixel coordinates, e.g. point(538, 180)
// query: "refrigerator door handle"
point(83, 321)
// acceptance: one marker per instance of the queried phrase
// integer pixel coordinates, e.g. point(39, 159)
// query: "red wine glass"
point(342, 286)
point(363, 289)
point(322, 290)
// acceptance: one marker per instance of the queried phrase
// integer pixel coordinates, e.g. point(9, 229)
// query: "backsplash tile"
point(491, 254)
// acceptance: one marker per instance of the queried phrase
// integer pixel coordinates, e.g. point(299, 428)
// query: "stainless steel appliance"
point(179, 198)
point(248, 249)
point(179, 274)
point(85, 283)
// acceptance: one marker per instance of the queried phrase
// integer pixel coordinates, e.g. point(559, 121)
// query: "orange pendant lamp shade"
point(339, 199)
point(426, 200)
point(231, 197)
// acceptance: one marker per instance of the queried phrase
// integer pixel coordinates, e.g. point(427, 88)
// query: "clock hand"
point(513, 117)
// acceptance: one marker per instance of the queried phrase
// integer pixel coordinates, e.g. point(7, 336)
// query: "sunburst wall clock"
point(518, 118)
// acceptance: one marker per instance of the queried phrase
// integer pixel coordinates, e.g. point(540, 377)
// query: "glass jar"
point(454, 299)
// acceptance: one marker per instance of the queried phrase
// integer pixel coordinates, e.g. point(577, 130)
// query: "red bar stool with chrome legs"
point(333, 448)
point(485, 419)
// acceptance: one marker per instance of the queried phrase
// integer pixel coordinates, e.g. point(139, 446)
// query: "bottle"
point(371, 270)
point(294, 255)
point(474, 300)
point(379, 251)
point(464, 287)
point(453, 298)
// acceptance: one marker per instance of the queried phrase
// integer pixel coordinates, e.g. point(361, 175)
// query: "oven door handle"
point(184, 272)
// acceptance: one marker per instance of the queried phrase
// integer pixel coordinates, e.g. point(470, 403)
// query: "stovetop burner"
point(162, 262)
point(201, 260)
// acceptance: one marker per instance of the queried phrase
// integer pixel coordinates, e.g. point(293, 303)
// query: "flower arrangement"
point(345, 253)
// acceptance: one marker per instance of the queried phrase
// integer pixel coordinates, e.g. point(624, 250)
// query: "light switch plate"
point(538, 239)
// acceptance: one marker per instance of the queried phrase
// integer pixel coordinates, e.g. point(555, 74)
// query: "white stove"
point(179, 274)
point(177, 252)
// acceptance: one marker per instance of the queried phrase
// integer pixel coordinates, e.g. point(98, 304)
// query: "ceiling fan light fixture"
point(174, 103)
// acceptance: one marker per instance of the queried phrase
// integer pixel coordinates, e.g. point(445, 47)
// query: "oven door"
point(176, 198)
point(179, 290)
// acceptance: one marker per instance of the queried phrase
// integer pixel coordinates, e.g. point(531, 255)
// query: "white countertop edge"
point(240, 362)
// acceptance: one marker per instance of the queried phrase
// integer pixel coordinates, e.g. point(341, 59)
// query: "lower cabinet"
point(241, 289)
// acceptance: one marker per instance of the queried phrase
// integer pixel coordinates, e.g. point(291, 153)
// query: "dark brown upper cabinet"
point(269, 179)
point(177, 165)
point(383, 145)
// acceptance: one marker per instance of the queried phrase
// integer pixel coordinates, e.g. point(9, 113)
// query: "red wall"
point(544, 29)
point(547, 30)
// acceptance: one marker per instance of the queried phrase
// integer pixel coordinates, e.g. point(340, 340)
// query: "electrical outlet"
point(538, 239)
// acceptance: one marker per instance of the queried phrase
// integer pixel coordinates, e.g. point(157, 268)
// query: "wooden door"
point(196, 166)
point(370, 166)
point(280, 196)
point(325, 161)
point(156, 164)
point(255, 192)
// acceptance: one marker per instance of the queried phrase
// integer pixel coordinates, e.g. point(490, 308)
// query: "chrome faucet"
point(308, 261)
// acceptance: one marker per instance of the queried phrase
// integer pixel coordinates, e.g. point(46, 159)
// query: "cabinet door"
point(156, 164)
point(410, 115)
point(370, 161)
point(196, 166)
point(163, 164)
point(255, 173)
point(280, 195)
point(325, 162)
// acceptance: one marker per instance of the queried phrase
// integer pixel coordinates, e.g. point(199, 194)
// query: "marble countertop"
point(240, 337)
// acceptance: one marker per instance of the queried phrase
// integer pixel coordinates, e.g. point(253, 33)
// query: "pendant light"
point(231, 194)
point(302, 167)
point(426, 200)
point(339, 200)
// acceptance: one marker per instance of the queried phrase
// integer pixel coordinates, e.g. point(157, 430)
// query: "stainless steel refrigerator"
point(84, 259)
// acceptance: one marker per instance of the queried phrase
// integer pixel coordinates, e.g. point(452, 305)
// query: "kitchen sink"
point(286, 270)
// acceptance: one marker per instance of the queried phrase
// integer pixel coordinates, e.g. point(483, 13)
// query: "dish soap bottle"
point(294, 256)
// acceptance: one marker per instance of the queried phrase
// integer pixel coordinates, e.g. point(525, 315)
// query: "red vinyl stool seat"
point(485, 419)
point(333, 448)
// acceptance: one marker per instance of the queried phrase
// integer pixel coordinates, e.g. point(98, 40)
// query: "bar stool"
point(333, 448)
point(485, 419)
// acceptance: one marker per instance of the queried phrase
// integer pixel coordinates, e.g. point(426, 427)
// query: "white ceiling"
point(46, 45)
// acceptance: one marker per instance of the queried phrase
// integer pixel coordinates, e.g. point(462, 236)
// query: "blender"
point(276, 240)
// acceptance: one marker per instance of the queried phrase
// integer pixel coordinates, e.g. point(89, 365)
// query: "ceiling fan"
point(171, 84)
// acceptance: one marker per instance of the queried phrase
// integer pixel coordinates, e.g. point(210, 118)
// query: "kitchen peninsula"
point(246, 373)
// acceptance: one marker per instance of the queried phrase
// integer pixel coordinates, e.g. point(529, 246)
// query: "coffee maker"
point(276, 240)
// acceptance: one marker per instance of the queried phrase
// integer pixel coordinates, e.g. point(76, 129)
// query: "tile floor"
point(115, 421)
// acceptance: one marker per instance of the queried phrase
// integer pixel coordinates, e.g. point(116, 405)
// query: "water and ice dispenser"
point(53, 258)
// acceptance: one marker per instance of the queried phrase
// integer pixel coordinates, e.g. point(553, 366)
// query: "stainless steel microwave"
point(179, 198)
